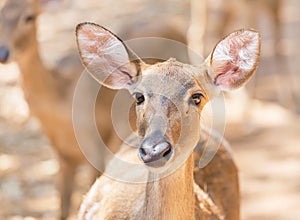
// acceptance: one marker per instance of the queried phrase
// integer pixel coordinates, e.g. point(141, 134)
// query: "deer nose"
point(4, 54)
point(155, 155)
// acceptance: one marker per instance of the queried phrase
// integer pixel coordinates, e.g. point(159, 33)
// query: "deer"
point(49, 95)
point(159, 182)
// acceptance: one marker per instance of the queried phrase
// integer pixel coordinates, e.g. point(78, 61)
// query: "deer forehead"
point(172, 78)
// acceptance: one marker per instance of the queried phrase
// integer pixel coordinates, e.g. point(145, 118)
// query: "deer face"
point(169, 98)
point(169, 95)
point(17, 27)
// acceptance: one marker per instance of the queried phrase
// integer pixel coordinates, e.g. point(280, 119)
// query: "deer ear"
point(235, 59)
point(106, 57)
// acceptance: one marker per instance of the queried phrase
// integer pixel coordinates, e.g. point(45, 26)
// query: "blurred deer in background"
point(211, 19)
point(169, 98)
point(49, 95)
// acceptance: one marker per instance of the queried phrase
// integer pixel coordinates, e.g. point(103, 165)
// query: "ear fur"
point(234, 59)
point(106, 57)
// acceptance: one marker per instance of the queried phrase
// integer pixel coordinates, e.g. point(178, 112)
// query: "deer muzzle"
point(155, 152)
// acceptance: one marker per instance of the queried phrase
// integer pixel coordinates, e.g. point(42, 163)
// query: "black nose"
point(155, 155)
point(4, 54)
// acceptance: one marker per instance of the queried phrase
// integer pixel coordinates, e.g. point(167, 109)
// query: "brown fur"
point(173, 96)
point(174, 196)
point(48, 95)
point(170, 198)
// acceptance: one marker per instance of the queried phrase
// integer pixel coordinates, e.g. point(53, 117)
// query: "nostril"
point(167, 152)
point(142, 151)
point(155, 155)
point(4, 54)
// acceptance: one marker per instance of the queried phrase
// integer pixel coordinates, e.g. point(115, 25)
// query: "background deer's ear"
point(234, 59)
point(106, 57)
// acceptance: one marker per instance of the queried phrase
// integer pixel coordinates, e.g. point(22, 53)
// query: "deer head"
point(170, 95)
point(18, 27)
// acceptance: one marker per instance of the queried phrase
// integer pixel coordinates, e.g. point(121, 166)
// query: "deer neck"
point(171, 197)
point(37, 80)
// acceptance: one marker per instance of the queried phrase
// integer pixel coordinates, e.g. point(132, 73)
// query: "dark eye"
point(30, 18)
point(196, 98)
point(139, 98)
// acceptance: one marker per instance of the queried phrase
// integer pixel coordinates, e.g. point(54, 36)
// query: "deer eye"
point(30, 18)
point(139, 98)
point(196, 98)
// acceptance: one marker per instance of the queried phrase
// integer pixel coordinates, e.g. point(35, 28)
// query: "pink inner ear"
point(227, 74)
point(235, 58)
point(93, 42)
point(105, 56)
point(90, 36)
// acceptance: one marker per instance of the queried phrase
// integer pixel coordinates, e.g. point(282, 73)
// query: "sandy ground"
point(266, 143)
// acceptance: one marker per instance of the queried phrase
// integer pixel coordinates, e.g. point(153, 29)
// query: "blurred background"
point(262, 122)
